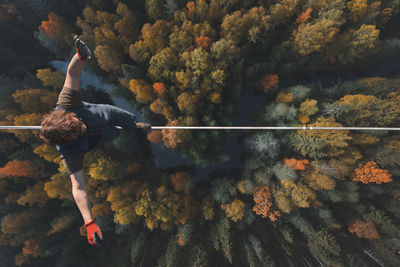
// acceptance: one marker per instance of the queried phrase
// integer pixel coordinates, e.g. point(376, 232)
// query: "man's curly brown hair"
point(59, 127)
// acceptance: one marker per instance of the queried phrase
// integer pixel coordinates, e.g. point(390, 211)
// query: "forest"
point(298, 198)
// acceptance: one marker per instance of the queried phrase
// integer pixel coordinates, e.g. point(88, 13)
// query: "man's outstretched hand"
point(143, 126)
point(92, 229)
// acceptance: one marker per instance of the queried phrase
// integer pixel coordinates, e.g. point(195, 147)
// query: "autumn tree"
point(108, 59)
point(155, 137)
point(159, 88)
point(163, 64)
point(250, 26)
point(302, 196)
point(304, 16)
point(364, 41)
point(296, 164)
point(34, 195)
point(283, 10)
point(370, 173)
point(143, 91)
point(284, 97)
point(182, 182)
point(49, 78)
point(234, 210)
point(203, 41)
point(122, 202)
point(263, 203)
point(35, 100)
point(363, 229)
point(313, 37)
point(21, 168)
point(307, 109)
point(173, 138)
point(187, 102)
point(269, 82)
point(56, 29)
point(57, 187)
point(106, 169)
point(333, 142)
point(318, 181)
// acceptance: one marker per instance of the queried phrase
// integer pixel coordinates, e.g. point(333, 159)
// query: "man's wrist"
point(89, 222)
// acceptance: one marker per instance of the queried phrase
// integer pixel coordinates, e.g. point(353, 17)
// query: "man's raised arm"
point(81, 198)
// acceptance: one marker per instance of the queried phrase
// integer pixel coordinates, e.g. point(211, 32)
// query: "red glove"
point(92, 229)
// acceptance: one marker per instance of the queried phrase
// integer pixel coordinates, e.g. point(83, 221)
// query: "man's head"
point(60, 127)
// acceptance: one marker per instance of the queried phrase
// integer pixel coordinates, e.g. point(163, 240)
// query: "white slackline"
point(233, 128)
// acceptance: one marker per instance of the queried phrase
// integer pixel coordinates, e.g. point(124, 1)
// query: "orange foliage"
point(172, 138)
point(22, 168)
point(370, 173)
point(363, 229)
point(182, 181)
point(154, 137)
point(304, 16)
point(191, 6)
point(269, 82)
point(179, 240)
point(159, 88)
point(31, 247)
point(262, 197)
point(284, 98)
point(203, 41)
point(295, 164)
point(55, 28)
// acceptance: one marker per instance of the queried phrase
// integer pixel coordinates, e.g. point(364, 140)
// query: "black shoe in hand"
point(82, 50)
point(143, 126)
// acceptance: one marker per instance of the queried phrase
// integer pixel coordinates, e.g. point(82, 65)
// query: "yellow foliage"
point(318, 181)
point(215, 98)
point(105, 169)
point(287, 184)
point(125, 215)
point(309, 107)
point(143, 91)
point(183, 79)
point(107, 58)
point(303, 118)
point(48, 152)
point(313, 37)
point(334, 141)
point(357, 100)
point(51, 78)
point(357, 8)
point(58, 187)
point(234, 210)
point(283, 202)
point(187, 102)
point(302, 196)
point(284, 98)
point(364, 139)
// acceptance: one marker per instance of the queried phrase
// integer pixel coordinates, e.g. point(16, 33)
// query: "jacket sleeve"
point(73, 162)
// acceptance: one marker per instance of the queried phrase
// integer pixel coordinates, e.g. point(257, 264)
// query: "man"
point(75, 127)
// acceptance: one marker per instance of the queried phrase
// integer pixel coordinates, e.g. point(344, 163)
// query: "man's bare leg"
point(73, 75)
